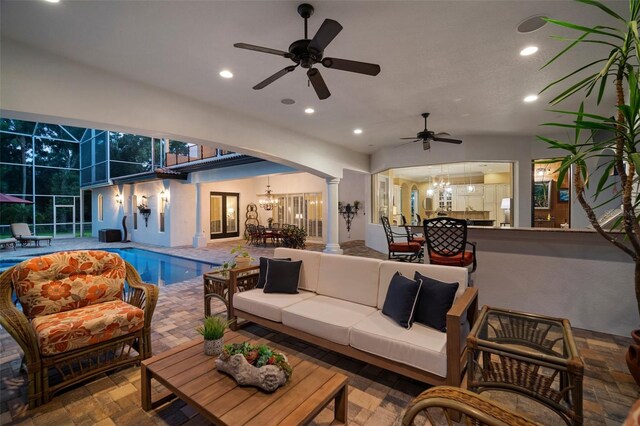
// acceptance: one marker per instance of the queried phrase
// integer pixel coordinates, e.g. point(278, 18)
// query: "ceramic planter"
point(633, 356)
point(242, 262)
point(213, 347)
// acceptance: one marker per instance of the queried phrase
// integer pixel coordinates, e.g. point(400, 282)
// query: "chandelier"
point(268, 201)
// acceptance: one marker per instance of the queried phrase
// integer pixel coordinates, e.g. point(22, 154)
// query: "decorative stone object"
point(213, 347)
point(268, 377)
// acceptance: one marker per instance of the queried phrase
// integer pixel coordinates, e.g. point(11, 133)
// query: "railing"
point(190, 152)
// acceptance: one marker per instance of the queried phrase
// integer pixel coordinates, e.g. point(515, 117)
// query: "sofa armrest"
point(141, 295)
point(247, 278)
point(465, 305)
point(16, 323)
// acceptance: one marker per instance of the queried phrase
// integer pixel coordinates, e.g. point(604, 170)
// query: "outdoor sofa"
point(22, 233)
point(78, 318)
point(338, 307)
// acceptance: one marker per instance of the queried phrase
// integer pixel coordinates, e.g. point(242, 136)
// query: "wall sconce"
point(348, 212)
point(119, 199)
point(144, 210)
point(164, 196)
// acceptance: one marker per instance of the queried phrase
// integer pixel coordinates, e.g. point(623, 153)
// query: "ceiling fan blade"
point(274, 77)
point(447, 140)
point(442, 134)
point(410, 138)
point(351, 66)
point(318, 83)
point(407, 143)
point(262, 49)
point(326, 33)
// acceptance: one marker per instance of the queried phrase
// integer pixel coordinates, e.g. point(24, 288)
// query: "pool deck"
point(376, 397)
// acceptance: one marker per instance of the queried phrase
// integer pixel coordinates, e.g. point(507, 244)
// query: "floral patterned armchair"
point(83, 313)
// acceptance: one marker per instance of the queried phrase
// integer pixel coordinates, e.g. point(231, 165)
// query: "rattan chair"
point(447, 243)
point(442, 404)
point(404, 251)
point(75, 364)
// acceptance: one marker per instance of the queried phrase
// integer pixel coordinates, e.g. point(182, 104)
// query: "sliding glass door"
point(302, 210)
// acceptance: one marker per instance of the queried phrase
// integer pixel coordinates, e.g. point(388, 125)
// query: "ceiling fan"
point(427, 136)
point(308, 52)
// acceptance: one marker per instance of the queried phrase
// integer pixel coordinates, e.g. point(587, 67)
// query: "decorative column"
point(333, 228)
point(199, 239)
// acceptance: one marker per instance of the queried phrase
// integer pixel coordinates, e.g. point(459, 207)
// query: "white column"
point(333, 228)
point(199, 239)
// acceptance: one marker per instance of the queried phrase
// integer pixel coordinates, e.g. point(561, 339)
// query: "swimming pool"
point(154, 268)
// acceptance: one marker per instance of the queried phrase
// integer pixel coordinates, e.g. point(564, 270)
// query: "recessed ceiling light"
point(530, 98)
point(224, 73)
point(529, 50)
point(309, 110)
point(288, 101)
point(357, 131)
point(52, 1)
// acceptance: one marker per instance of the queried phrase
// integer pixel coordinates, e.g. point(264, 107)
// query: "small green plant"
point(258, 356)
point(213, 328)
point(241, 251)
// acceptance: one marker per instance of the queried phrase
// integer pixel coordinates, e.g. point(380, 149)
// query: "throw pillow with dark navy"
point(435, 300)
point(400, 302)
point(282, 276)
point(263, 270)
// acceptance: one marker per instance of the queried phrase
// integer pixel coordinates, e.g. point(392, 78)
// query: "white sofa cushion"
point(420, 346)
point(326, 317)
point(447, 274)
point(267, 305)
point(310, 265)
point(350, 278)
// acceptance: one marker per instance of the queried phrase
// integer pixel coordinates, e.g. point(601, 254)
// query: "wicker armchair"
point(442, 404)
point(75, 336)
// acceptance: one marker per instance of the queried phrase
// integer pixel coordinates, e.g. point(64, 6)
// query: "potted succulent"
point(212, 329)
point(242, 257)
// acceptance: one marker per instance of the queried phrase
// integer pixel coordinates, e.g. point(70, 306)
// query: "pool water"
point(154, 268)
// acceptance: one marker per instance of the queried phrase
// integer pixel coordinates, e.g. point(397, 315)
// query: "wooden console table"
point(223, 284)
point(531, 355)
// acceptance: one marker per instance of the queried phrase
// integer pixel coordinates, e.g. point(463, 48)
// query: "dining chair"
point(404, 251)
point(446, 241)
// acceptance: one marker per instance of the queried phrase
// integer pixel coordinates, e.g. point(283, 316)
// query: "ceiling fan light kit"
point(309, 52)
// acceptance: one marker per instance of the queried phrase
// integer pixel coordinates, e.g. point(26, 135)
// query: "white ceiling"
point(456, 59)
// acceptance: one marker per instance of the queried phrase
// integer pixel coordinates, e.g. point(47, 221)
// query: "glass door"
point(224, 215)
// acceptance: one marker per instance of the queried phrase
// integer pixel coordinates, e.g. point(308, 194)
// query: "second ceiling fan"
point(428, 136)
point(309, 52)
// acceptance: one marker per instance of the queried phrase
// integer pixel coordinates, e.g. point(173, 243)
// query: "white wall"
point(352, 187)
point(39, 86)
point(569, 274)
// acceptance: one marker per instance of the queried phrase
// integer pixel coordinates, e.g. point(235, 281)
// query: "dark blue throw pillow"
point(263, 270)
point(282, 276)
point(435, 300)
point(400, 303)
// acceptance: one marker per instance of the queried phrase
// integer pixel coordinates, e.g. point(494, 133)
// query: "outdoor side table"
point(529, 354)
point(223, 284)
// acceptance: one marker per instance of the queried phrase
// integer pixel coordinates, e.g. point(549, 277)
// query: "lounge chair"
point(22, 233)
point(8, 242)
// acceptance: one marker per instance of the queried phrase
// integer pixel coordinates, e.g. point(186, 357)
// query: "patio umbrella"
point(10, 199)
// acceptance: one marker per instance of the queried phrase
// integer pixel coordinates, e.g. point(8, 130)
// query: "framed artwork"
point(563, 195)
point(542, 195)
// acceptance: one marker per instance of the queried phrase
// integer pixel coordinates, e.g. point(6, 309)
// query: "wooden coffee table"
point(190, 375)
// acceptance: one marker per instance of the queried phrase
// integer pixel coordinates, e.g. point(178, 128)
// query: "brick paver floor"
point(376, 397)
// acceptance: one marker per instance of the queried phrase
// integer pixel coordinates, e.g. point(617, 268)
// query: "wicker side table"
point(529, 354)
point(223, 284)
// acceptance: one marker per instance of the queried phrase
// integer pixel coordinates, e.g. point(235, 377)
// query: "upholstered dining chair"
point(404, 251)
point(447, 243)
